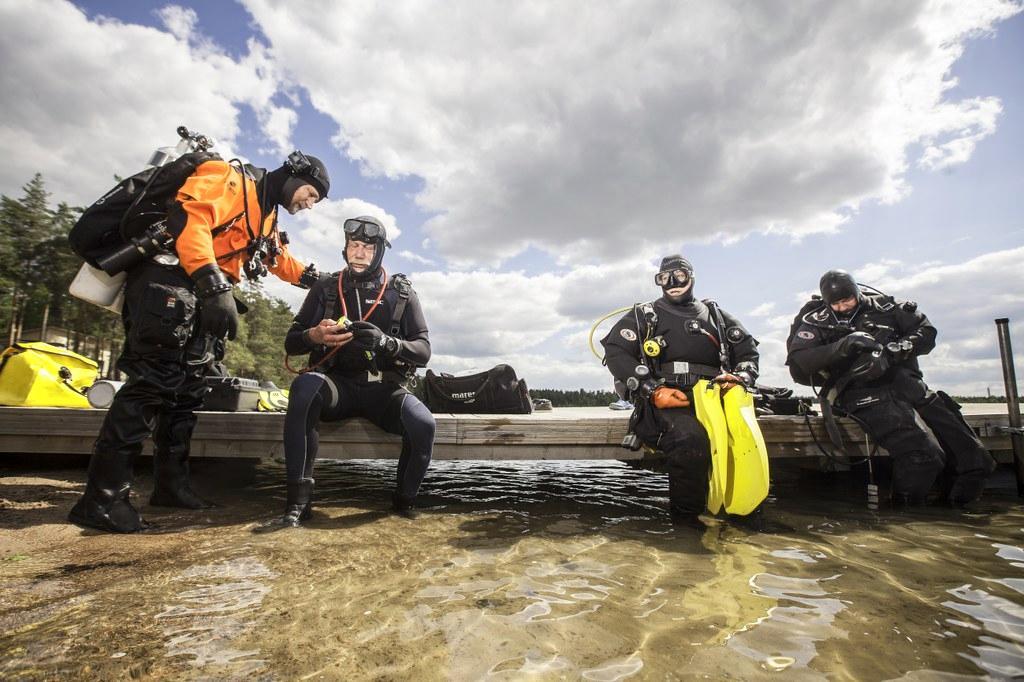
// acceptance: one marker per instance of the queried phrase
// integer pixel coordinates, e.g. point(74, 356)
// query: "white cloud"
point(570, 125)
point(83, 100)
point(180, 21)
point(416, 258)
point(763, 310)
point(480, 314)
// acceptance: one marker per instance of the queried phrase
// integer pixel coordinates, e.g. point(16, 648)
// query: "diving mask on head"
point(368, 230)
point(670, 279)
point(365, 229)
point(675, 273)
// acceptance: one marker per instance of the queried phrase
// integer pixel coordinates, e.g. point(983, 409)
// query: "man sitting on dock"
point(661, 350)
point(861, 351)
point(358, 368)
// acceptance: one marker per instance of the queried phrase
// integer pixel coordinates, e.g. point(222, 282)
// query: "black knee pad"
point(306, 387)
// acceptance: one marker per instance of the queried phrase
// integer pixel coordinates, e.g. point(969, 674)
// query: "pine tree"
point(258, 351)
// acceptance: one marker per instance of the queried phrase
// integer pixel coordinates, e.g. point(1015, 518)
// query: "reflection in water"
point(1002, 655)
point(790, 631)
point(521, 570)
point(221, 605)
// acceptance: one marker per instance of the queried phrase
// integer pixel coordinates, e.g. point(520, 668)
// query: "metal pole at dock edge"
point(1012, 405)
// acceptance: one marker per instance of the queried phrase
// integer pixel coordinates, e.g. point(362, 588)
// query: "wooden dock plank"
point(562, 433)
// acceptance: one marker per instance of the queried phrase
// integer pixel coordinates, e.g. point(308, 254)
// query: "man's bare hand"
point(728, 381)
point(329, 333)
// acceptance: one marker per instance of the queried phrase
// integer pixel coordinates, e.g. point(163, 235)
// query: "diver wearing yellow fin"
point(661, 350)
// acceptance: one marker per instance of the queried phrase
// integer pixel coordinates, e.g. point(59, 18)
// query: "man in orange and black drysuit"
point(178, 309)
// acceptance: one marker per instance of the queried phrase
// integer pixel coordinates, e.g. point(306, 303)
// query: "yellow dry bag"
point(37, 374)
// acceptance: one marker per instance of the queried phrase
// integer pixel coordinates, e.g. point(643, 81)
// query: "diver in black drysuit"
point(687, 331)
point(868, 354)
point(347, 383)
point(175, 322)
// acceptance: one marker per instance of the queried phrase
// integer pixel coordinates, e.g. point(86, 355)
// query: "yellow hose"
point(590, 339)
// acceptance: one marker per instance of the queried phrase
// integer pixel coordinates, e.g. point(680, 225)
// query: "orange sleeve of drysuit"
point(287, 268)
point(210, 197)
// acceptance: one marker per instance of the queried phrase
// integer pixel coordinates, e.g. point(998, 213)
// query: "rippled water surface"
point(534, 570)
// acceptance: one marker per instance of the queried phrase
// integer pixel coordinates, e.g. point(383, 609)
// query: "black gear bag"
point(131, 207)
point(496, 391)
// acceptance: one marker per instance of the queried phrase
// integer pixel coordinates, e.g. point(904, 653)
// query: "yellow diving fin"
point(746, 484)
point(707, 402)
point(273, 401)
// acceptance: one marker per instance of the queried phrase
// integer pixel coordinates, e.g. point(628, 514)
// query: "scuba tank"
point(98, 235)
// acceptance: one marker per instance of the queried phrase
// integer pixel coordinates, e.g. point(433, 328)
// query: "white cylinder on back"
point(92, 285)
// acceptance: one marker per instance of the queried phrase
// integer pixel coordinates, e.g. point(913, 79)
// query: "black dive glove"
point(857, 342)
point(368, 336)
point(218, 314)
point(309, 277)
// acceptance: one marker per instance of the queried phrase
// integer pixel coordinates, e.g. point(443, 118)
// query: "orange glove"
point(665, 398)
point(728, 381)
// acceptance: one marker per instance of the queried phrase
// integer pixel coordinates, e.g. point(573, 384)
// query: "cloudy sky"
point(535, 160)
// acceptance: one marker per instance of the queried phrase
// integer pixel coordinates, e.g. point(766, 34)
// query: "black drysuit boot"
point(686, 519)
point(172, 437)
point(968, 487)
point(105, 505)
point(170, 484)
point(403, 506)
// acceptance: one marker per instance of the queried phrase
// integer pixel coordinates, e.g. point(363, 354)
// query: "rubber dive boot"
point(106, 510)
point(404, 506)
point(299, 505)
point(967, 487)
point(902, 501)
point(171, 487)
point(685, 516)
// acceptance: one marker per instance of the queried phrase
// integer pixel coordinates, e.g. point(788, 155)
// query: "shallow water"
point(533, 570)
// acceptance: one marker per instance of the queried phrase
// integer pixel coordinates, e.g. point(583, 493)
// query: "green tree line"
point(578, 398)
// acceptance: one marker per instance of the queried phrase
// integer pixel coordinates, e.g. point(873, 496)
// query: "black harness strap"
point(723, 350)
point(331, 295)
point(404, 288)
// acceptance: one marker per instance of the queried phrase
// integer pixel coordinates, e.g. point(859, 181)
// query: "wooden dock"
point(563, 433)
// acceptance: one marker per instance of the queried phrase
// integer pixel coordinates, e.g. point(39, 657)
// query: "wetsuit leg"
point(688, 458)
point(968, 460)
point(420, 428)
point(312, 397)
point(891, 422)
point(397, 411)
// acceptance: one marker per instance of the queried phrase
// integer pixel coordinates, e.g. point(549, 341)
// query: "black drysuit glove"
point(218, 313)
point(857, 342)
point(368, 336)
